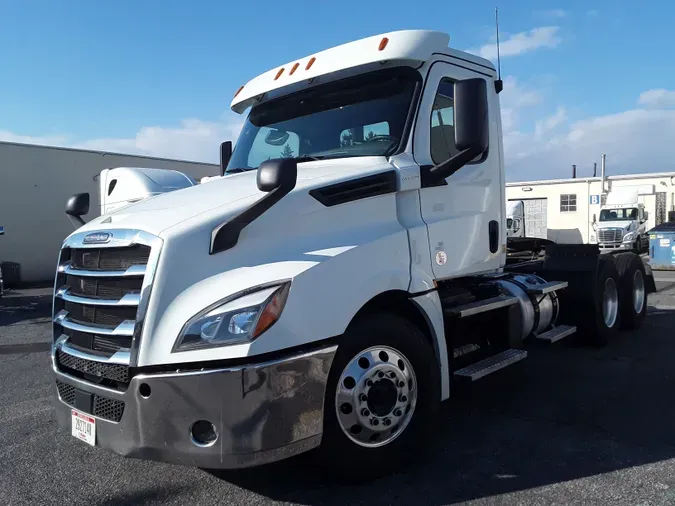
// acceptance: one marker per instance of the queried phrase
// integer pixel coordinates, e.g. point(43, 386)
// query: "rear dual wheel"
point(382, 399)
point(632, 290)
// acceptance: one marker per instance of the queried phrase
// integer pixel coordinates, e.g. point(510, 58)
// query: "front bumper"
point(615, 246)
point(262, 412)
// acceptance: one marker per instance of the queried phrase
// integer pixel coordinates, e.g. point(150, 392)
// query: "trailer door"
point(536, 218)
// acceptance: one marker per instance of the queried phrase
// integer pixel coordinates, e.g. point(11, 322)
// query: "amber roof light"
point(383, 43)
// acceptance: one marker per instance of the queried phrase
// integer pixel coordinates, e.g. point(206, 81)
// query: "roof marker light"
point(310, 63)
point(295, 67)
point(238, 92)
point(281, 71)
point(383, 43)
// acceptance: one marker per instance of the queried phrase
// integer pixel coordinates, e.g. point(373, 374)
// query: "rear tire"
point(632, 290)
point(388, 353)
point(604, 318)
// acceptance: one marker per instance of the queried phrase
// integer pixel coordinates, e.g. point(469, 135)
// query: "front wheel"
point(382, 399)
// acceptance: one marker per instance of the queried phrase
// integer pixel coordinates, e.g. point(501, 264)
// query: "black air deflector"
point(356, 189)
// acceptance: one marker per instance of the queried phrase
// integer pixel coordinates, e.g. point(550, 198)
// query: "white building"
point(563, 210)
point(36, 183)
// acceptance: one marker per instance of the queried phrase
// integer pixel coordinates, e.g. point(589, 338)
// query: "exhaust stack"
point(602, 173)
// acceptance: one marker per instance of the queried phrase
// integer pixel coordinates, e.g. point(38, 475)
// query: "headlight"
point(235, 320)
point(628, 237)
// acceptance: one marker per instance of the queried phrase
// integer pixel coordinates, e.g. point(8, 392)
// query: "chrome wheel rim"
point(638, 291)
point(610, 302)
point(376, 396)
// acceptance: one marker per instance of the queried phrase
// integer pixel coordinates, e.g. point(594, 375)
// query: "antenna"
point(499, 84)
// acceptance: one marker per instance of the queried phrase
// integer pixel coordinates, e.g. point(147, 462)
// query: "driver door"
point(464, 214)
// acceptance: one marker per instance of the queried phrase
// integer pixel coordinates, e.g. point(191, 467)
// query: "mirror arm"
point(451, 165)
point(226, 235)
point(78, 219)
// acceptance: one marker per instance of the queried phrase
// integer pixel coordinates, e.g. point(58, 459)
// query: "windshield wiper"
point(308, 158)
point(235, 170)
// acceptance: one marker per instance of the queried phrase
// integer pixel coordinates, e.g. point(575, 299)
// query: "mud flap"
point(650, 284)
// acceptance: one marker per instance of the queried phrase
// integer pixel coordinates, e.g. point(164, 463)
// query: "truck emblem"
point(97, 238)
point(441, 258)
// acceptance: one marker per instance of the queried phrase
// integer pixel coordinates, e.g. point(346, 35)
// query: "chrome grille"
point(100, 295)
point(610, 235)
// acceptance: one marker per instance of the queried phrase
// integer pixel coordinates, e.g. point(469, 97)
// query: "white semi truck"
point(515, 219)
point(329, 291)
point(623, 222)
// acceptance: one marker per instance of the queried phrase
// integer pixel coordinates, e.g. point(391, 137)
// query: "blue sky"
point(156, 77)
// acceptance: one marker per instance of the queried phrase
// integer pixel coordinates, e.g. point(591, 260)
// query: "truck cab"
point(327, 290)
point(515, 219)
point(622, 222)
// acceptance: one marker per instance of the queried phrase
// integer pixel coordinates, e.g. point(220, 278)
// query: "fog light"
point(203, 433)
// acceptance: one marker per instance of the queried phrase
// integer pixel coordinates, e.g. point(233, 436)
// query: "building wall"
point(36, 183)
point(576, 226)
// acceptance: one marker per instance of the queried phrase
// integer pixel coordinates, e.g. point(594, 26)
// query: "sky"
point(156, 77)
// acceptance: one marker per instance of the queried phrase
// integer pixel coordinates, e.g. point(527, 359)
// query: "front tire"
point(382, 399)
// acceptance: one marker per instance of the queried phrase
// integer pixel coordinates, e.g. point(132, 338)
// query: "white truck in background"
point(622, 222)
point(322, 294)
point(515, 218)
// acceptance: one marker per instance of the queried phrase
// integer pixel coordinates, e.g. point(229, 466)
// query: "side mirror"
point(277, 173)
point(225, 155)
point(471, 116)
point(471, 126)
point(77, 206)
point(594, 218)
point(646, 215)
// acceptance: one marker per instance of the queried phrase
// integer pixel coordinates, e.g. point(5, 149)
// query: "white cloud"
point(592, 12)
point(637, 140)
point(555, 13)
point(657, 98)
point(523, 42)
point(52, 140)
point(194, 140)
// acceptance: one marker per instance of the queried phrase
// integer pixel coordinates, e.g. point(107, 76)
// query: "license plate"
point(84, 427)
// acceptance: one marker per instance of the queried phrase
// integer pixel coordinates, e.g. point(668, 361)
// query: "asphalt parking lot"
point(570, 425)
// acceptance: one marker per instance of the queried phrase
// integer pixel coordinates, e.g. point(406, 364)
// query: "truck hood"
point(231, 193)
point(615, 224)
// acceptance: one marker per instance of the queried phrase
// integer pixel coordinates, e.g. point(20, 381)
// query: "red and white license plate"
point(84, 427)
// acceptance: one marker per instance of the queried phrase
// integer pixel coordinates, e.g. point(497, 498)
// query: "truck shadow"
point(22, 305)
point(567, 413)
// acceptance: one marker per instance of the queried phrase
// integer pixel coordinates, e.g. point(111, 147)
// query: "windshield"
point(627, 214)
point(365, 115)
point(509, 222)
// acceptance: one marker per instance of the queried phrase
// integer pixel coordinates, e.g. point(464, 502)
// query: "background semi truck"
point(346, 273)
point(622, 224)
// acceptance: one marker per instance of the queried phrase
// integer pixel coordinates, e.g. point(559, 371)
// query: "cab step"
point(491, 364)
point(549, 287)
point(557, 333)
point(482, 306)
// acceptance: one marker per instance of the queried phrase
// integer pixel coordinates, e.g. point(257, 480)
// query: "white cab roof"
point(140, 182)
point(404, 47)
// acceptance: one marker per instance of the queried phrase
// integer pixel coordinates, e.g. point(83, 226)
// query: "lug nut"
point(375, 422)
point(363, 398)
point(398, 412)
point(380, 374)
point(403, 398)
point(365, 412)
point(369, 383)
point(392, 374)
point(401, 384)
point(387, 422)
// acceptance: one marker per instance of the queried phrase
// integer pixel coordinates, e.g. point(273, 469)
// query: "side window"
point(568, 203)
point(352, 136)
point(442, 124)
point(261, 150)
